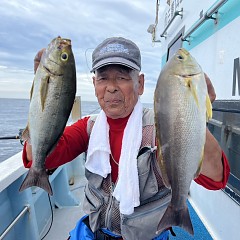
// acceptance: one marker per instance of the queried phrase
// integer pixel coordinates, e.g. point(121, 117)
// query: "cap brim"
point(115, 60)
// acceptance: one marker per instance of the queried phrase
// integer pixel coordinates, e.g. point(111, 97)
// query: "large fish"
point(182, 107)
point(52, 97)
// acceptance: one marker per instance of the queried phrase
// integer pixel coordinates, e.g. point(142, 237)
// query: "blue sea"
point(14, 115)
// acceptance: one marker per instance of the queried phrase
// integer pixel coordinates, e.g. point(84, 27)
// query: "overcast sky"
point(29, 25)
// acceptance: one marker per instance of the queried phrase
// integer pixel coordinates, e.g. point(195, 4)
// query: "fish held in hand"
point(182, 107)
point(52, 97)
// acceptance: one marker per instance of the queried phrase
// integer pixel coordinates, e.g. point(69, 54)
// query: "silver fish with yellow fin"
point(52, 97)
point(181, 107)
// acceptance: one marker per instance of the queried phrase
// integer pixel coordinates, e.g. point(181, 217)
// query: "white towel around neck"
point(127, 187)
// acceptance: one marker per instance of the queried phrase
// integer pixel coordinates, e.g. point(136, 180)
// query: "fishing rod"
point(10, 137)
point(19, 136)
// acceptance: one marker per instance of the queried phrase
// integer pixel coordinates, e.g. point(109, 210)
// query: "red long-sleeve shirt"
point(74, 141)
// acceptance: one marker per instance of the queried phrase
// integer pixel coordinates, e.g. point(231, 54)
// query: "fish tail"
point(173, 217)
point(36, 178)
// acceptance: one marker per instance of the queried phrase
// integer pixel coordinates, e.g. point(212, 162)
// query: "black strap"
point(172, 232)
point(86, 222)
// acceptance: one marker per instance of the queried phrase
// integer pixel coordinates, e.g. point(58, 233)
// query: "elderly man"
point(121, 200)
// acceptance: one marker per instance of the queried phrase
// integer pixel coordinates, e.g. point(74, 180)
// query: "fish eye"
point(64, 56)
point(180, 57)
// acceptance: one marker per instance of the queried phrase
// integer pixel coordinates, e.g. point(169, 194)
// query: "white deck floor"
point(65, 218)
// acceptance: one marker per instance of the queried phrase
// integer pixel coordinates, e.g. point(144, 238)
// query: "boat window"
point(175, 44)
point(225, 127)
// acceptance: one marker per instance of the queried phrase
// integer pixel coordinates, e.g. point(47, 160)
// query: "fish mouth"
point(188, 75)
point(184, 51)
point(66, 41)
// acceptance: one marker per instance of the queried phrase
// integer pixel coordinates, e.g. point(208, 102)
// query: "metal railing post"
point(12, 224)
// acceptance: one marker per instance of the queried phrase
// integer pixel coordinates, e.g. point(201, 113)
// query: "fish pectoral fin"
point(193, 90)
point(208, 107)
point(44, 90)
point(31, 91)
point(26, 135)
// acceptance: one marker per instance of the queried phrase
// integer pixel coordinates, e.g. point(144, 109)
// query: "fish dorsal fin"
point(44, 90)
point(199, 164)
point(208, 107)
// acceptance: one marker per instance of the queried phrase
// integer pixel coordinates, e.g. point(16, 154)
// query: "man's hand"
point(29, 151)
point(212, 166)
point(210, 88)
point(37, 59)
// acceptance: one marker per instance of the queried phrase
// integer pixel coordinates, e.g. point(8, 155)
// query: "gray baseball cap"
point(116, 50)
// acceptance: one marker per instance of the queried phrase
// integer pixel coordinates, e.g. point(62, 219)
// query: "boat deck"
point(200, 231)
point(66, 218)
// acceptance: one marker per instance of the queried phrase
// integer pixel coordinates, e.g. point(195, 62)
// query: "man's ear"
point(141, 84)
point(93, 80)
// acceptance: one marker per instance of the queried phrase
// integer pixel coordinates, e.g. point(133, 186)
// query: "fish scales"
point(52, 97)
point(180, 105)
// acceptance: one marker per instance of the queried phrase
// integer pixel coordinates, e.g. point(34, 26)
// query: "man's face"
point(117, 89)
